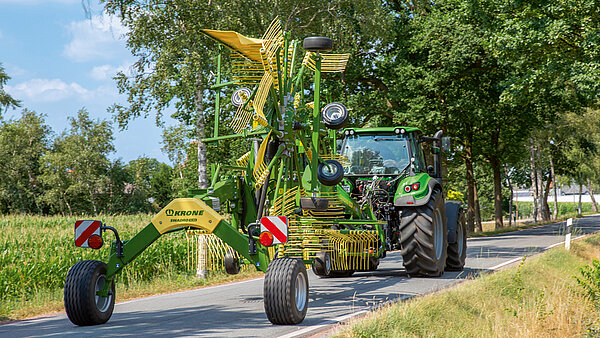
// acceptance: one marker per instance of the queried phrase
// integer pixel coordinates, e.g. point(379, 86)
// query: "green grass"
point(540, 297)
point(37, 251)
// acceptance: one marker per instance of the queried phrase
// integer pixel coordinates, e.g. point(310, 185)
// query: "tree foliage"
point(6, 101)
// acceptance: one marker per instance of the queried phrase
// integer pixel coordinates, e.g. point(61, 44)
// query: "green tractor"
point(387, 170)
point(295, 198)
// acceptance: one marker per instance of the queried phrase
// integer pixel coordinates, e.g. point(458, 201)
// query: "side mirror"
point(446, 144)
point(430, 170)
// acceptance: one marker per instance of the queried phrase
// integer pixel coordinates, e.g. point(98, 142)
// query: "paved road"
point(236, 310)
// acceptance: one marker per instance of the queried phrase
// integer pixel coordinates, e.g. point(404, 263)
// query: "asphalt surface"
point(236, 310)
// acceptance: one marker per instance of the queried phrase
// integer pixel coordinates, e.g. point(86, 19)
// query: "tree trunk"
point(200, 130)
point(478, 225)
point(533, 177)
point(545, 207)
point(68, 206)
point(594, 205)
point(497, 192)
point(555, 213)
point(542, 202)
point(470, 187)
point(510, 202)
point(580, 193)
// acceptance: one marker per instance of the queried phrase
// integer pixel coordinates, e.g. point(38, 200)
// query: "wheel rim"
point(102, 303)
point(460, 239)
point(301, 293)
point(329, 171)
point(438, 233)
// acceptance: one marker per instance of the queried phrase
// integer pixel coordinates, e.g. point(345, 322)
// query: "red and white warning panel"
point(276, 225)
point(84, 230)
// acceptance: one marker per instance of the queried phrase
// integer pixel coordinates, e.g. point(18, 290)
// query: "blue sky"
point(61, 60)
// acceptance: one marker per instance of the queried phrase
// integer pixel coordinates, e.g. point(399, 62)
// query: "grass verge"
point(538, 298)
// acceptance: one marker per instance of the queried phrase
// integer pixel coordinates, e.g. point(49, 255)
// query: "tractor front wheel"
point(286, 291)
point(424, 237)
point(82, 304)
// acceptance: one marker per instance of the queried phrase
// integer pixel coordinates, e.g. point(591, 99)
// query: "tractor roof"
point(383, 129)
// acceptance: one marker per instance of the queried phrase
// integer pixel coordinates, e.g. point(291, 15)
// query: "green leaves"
point(6, 100)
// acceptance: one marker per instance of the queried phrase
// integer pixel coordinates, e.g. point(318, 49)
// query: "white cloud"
point(99, 38)
point(107, 72)
point(44, 90)
point(14, 70)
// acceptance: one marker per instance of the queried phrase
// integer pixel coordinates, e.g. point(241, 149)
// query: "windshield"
point(376, 154)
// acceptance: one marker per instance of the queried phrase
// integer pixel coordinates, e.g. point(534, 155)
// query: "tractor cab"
point(382, 151)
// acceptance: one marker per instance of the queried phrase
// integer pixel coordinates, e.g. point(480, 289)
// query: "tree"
point(75, 172)
point(22, 143)
point(149, 184)
point(6, 101)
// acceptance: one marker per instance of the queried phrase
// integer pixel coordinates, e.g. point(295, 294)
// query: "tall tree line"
point(71, 173)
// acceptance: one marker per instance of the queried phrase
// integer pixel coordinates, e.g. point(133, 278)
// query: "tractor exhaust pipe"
point(437, 156)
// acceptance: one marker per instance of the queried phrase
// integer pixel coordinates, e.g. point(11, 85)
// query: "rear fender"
point(452, 215)
point(415, 197)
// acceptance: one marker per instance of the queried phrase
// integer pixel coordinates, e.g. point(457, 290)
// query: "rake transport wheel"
point(231, 263)
point(322, 264)
point(424, 237)
point(330, 172)
point(82, 304)
point(286, 291)
point(457, 251)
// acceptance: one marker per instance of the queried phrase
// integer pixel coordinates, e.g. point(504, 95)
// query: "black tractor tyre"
point(231, 263)
point(424, 237)
point(286, 291)
point(322, 264)
point(331, 175)
point(82, 305)
point(317, 44)
point(457, 251)
point(335, 115)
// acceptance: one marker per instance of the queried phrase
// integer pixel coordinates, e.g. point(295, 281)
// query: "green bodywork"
point(421, 178)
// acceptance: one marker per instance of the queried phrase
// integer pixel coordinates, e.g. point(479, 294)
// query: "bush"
point(590, 282)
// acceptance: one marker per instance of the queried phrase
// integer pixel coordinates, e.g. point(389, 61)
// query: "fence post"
point(568, 235)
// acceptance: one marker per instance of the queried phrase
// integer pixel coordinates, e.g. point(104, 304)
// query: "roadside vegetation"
point(566, 210)
point(37, 251)
point(554, 294)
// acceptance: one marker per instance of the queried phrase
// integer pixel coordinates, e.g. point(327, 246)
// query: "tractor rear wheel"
point(457, 251)
point(82, 305)
point(424, 237)
point(286, 291)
